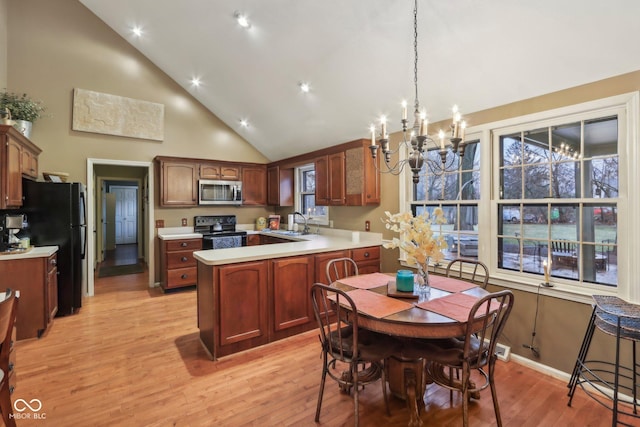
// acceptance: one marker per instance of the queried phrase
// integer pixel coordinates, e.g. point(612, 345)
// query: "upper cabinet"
point(219, 171)
point(18, 158)
point(178, 182)
point(279, 186)
point(254, 185)
point(362, 176)
point(330, 179)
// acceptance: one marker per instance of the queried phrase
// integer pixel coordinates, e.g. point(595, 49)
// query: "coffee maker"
point(10, 226)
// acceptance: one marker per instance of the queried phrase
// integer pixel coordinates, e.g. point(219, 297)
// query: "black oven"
point(219, 232)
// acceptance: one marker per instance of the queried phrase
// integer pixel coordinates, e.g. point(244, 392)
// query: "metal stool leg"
point(582, 355)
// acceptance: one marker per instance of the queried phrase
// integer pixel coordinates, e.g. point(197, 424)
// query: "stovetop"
point(216, 225)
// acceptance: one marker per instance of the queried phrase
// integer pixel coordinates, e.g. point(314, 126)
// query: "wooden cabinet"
point(290, 286)
point(254, 185)
point(367, 259)
point(36, 279)
point(178, 267)
point(178, 182)
point(280, 186)
point(233, 307)
point(362, 185)
point(18, 157)
point(253, 239)
point(219, 171)
point(330, 179)
point(321, 261)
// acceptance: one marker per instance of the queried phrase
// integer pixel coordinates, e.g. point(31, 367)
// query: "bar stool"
point(601, 380)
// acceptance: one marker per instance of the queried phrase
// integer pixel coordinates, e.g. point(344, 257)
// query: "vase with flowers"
point(417, 240)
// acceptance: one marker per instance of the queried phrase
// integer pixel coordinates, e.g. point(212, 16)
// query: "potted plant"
point(24, 110)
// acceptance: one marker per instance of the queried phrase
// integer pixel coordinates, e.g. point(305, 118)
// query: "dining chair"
point(476, 351)
point(8, 312)
point(461, 268)
point(351, 356)
point(339, 268)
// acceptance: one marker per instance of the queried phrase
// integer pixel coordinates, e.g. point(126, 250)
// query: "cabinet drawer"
point(365, 254)
point(182, 277)
point(180, 259)
point(182, 245)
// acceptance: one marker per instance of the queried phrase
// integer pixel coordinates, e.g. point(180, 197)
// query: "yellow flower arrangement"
point(416, 236)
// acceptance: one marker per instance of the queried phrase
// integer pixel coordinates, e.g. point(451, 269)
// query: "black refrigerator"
point(56, 215)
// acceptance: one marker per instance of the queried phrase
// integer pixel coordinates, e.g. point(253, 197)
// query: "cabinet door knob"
point(184, 259)
point(184, 276)
point(184, 244)
point(366, 254)
point(54, 262)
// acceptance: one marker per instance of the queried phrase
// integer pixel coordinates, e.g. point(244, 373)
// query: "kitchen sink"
point(287, 232)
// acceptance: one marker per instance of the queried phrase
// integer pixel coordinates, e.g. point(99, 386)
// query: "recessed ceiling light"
point(195, 81)
point(304, 87)
point(137, 31)
point(242, 19)
point(244, 123)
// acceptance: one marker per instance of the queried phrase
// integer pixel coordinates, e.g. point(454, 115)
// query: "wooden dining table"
point(442, 313)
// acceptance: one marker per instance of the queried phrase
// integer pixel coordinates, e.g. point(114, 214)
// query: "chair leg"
point(354, 376)
point(494, 396)
point(321, 391)
point(384, 388)
point(465, 395)
point(5, 405)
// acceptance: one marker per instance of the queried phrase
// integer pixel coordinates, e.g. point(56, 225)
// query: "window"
point(306, 197)
point(457, 191)
point(558, 198)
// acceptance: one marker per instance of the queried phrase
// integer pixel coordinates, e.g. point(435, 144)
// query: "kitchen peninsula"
point(254, 295)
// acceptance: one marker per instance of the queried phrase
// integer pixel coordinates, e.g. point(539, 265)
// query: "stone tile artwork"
point(117, 115)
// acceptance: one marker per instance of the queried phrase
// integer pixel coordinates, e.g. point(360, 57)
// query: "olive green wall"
point(3, 43)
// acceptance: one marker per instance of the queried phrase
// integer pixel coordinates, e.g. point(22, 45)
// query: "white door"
point(110, 221)
point(126, 214)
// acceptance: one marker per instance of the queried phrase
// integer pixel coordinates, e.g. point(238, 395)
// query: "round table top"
point(408, 319)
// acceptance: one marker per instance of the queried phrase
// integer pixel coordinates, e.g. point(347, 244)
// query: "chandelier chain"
point(415, 52)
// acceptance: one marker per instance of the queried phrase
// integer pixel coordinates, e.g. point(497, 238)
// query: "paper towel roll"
point(355, 237)
point(290, 222)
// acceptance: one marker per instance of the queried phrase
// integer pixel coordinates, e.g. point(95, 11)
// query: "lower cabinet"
point(367, 259)
point(177, 264)
point(245, 305)
point(37, 281)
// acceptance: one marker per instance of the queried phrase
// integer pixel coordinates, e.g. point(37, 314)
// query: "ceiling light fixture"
point(195, 81)
point(137, 31)
point(242, 20)
point(244, 123)
point(415, 139)
point(304, 87)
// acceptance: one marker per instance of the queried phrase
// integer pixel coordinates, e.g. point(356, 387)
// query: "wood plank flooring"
point(131, 357)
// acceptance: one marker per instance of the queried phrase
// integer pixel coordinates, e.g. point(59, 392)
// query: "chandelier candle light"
point(415, 139)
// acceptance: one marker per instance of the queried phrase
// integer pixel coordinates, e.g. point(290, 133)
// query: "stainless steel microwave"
point(216, 192)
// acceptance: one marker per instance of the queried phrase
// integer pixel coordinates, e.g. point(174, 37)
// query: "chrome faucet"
point(306, 226)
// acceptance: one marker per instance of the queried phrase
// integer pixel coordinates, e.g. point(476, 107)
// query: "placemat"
point(375, 304)
point(454, 306)
point(449, 284)
point(367, 281)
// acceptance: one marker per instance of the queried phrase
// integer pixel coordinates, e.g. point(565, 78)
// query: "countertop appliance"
point(216, 192)
point(219, 231)
point(10, 225)
point(57, 216)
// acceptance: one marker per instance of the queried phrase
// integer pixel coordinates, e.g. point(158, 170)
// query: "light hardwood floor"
point(131, 357)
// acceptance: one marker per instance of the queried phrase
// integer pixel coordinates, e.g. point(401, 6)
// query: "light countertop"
point(32, 252)
point(329, 240)
point(177, 233)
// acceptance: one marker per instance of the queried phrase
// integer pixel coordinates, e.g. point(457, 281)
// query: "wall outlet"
point(159, 223)
point(184, 222)
point(367, 225)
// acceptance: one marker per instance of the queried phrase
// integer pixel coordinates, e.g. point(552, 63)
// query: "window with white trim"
point(305, 201)
point(557, 202)
point(457, 192)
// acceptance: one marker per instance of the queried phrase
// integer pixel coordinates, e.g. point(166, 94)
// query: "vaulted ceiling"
point(357, 57)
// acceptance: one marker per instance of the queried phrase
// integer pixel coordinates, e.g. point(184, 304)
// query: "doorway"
point(103, 175)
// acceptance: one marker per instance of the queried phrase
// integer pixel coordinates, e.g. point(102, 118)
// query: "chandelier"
point(415, 139)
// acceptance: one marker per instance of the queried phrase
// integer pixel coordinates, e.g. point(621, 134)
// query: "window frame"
point(628, 202)
point(315, 218)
